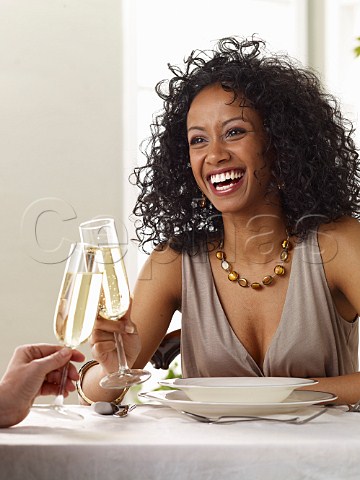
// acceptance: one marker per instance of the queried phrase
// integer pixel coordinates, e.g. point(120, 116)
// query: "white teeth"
point(221, 177)
point(224, 187)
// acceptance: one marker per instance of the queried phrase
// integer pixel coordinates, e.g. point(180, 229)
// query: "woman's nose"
point(217, 152)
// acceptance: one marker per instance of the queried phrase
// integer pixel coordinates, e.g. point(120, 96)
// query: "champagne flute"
point(101, 235)
point(76, 311)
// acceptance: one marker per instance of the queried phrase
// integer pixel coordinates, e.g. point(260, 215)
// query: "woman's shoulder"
point(340, 249)
point(339, 243)
point(165, 256)
point(345, 231)
point(162, 271)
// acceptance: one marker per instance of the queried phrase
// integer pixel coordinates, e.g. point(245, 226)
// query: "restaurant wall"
point(60, 148)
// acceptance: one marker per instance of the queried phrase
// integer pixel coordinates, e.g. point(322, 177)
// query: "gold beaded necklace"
point(234, 276)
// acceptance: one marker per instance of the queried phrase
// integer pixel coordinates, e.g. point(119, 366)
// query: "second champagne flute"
point(75, 313)
point(101, 235)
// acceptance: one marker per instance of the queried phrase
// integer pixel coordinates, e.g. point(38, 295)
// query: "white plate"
point(179, 401)
point(238, 389)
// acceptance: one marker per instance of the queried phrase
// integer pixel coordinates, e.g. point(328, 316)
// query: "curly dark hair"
point(316, 162)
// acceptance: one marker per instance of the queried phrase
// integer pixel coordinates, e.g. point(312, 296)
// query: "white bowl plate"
point(238, 389)
point(179, 401)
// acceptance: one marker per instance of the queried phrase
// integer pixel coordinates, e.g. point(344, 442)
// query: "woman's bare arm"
point(157, 295)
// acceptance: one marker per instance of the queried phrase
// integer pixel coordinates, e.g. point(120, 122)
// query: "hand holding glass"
point(101, 236)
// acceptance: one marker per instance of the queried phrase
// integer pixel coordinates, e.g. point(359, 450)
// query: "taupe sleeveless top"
point(312, 339)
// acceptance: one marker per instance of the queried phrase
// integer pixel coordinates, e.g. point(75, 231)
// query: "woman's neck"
point(255, 240)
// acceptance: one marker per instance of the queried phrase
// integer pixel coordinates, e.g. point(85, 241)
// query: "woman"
point(250, 195)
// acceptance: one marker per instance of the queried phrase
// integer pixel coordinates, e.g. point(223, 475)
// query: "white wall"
point(60, 147)
point(342, 69)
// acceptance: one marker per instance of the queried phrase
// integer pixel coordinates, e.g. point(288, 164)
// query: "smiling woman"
point(285, 108)
point(251, 157)
point(217, 133)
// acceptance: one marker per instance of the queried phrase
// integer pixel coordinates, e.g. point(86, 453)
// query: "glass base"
point(131, 377)
point(58, 411)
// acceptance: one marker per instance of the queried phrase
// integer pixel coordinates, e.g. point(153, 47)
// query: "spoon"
point(123, 410)
point(355, 407)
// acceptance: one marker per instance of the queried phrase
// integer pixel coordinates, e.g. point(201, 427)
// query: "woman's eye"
point(233, 132)
point(196, 140)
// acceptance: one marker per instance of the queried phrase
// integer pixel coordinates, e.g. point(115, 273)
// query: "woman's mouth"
point(225, 181)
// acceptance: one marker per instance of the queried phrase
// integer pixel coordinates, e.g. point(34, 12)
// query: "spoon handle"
point(123, 410)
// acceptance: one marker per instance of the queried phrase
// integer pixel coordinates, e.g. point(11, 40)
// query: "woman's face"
point(227, 142)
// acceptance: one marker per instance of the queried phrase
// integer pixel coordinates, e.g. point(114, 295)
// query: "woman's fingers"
point(129, 326)
point(99, 348)
point(103, 334)
point(100, 336)
point(102, 341)
point(123, 325)
point(107, 325)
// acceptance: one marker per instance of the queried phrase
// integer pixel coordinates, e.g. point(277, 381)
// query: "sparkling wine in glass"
point(101, 236)
point(76, 310)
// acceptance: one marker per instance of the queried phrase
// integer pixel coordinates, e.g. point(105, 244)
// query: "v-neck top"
point(312, 339)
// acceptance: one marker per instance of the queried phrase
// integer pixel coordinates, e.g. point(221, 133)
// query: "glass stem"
point(59, 400)
point(123, 366)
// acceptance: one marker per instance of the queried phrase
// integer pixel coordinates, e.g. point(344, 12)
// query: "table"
point(156, 442)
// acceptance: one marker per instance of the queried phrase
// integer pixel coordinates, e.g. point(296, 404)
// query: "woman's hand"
point(103, 344)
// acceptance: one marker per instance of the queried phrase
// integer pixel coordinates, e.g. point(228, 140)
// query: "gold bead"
point(220, 255)
point(233, 276)
point(285, 244)
point(243, 282)
point(255, 285)
point(267, 280)
point(279, 270)
point(284, 255)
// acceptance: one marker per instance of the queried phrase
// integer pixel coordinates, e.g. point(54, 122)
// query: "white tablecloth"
point(156, 442)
